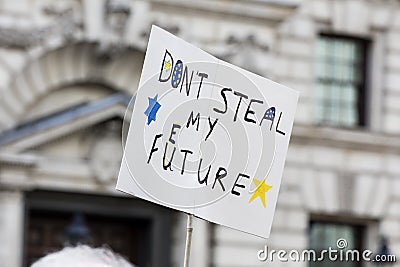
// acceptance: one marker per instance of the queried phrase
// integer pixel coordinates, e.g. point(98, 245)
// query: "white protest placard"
point(207, 137)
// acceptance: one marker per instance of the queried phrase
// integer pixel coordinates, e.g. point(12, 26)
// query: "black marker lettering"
point(188, 84)
point(240, 101)
point(267, 116)
point(249, 111)
point(221, 173)
point(236, 184)
point(277, 125)
point(205, 179)
point(212, 126)
point(225, 101)
point(193, 121)
point(184, 159)
point(160, 79)
point(202, 75)
point(153, 148)
point(166, 166)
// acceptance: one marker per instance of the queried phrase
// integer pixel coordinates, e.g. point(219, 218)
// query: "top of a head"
point(82, 256)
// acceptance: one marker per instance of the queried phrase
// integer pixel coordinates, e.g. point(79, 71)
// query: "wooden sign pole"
point(188, 239)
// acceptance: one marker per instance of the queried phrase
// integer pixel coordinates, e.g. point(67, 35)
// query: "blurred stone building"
point(69, 68)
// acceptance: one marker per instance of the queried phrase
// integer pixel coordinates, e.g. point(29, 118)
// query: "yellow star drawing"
point(261, 189)
point(167, 65)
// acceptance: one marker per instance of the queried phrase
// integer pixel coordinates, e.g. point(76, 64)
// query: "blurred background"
point(69, 68)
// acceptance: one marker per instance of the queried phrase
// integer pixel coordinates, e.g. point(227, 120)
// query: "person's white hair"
point(82, 256)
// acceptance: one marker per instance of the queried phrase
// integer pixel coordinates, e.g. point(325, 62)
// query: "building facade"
point(69, 68)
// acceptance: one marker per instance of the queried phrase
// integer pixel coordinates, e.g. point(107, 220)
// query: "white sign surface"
point(207, 137)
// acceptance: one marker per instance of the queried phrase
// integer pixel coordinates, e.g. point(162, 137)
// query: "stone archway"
point(66, 65)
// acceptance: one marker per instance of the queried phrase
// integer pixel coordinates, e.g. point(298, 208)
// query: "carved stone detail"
point(245, 52)
point(64, 24)
point(106, 152)
point(116, 17)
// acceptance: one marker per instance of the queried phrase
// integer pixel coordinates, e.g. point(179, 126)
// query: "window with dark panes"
point(341, 81)
point(325, 234)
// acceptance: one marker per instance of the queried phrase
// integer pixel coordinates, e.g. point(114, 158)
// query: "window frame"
point(359, 224)
point(362, 88)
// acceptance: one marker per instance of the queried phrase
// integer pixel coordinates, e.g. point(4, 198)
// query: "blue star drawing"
point(152, 109)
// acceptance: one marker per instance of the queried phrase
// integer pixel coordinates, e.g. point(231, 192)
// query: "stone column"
point(11, 228)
